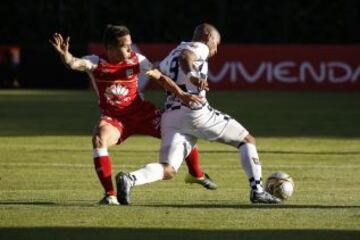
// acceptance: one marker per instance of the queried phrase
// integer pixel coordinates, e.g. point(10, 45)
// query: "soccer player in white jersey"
point(181, 125)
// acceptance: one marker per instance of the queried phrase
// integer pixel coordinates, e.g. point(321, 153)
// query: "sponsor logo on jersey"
point(116, 94)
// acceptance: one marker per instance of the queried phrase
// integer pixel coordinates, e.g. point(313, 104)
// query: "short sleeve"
point(200, 49)
point(145, 64)
point(90, 63)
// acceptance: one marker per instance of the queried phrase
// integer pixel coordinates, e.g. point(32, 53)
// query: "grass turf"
point(48, 188)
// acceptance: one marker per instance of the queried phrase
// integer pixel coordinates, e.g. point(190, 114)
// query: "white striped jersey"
point(170, 67)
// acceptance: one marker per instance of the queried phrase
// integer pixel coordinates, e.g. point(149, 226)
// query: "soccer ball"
point(280, 185)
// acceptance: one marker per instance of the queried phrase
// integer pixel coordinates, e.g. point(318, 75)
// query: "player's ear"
point(208, 37)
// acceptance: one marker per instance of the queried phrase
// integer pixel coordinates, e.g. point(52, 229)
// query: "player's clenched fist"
point(154, 73)
point(201, 83)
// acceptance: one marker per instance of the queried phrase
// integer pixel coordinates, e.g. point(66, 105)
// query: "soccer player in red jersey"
point(123, 112)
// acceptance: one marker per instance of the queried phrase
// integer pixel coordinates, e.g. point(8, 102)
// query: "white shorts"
point(180, 129)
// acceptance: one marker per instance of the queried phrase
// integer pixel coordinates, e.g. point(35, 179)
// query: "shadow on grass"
point(173, 234)
point(35, 203)
point(88, 203)
point(77, 203)
point(250, 206)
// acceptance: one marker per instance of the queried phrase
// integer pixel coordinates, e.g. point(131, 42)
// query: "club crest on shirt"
point(129, 72)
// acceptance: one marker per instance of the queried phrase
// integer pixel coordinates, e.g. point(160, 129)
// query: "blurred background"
point(266, 44)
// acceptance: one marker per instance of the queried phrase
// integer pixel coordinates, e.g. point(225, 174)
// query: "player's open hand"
point(191, 99)
point(59, 44)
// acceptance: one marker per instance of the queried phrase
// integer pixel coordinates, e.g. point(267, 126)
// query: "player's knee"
point(169, 172)
point(98, 141)
point(250, 139)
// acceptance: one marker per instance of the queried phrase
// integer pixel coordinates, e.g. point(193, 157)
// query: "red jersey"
point(117, 84)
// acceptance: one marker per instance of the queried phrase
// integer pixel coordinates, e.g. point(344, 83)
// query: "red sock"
point(103, 170)
point(193, 163)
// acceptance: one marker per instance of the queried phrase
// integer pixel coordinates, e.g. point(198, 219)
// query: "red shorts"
point(145, 122)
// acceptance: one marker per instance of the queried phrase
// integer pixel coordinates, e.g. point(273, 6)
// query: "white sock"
point(251, 164)
point(100, 152)
point(149, 173)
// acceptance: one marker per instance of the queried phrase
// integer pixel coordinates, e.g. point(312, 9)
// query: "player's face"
point(213, 43)
point(121, 51)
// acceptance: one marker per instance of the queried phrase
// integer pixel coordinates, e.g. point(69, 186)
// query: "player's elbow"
point(69, 64)
point(161, 80)
point(184, 62)
point(186, 59)
point(75, 66)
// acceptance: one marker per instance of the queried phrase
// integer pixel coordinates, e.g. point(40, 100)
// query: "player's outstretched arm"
point(171, 86)
point(186, 61)
point(61, 46)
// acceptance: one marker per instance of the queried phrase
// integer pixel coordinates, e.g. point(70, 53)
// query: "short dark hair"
point(113, 32)
point(202, 29)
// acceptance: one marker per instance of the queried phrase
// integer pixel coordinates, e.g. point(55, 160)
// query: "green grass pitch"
point(48, 188)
